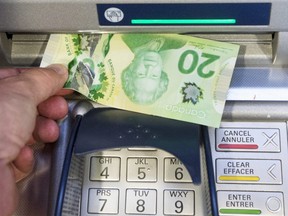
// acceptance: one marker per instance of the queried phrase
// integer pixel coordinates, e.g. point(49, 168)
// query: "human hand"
point(29, 109)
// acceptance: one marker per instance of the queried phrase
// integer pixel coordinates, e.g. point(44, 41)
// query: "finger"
point(7, 72)
point(25, 161)
point(46, 130)
point(55, 108)
point(43, 81)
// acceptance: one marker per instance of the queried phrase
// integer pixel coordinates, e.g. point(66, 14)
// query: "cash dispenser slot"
point(27, 49)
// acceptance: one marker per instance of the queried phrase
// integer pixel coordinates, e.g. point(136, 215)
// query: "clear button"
point(249, 171)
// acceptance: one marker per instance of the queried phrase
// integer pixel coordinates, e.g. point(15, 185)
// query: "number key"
point(175, 171)
point(142, 169)
point(105, 168)
point(178, 202)
point(141, 201)
point(103, 200)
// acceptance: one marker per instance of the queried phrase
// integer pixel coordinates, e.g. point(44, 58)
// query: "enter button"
point(250, 203)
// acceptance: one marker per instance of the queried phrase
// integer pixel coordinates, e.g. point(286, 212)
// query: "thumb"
point(41, 83)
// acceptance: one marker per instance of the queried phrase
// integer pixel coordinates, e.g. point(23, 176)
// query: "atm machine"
point(240, 168)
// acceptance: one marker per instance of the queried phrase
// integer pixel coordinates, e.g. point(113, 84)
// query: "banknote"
point(168, 75)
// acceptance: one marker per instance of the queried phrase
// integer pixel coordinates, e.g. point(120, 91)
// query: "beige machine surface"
point(254, 126)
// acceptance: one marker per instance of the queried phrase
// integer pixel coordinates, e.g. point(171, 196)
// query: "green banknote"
point(168, 75)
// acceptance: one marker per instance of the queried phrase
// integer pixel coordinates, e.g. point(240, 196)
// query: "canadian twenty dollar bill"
point(169, 75)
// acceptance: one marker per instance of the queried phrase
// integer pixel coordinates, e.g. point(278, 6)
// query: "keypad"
point(140, 181)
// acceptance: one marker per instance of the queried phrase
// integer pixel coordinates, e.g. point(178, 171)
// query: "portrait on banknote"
point(144, 80)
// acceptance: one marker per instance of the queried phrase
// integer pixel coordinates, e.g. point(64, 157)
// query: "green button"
point(241, 211)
